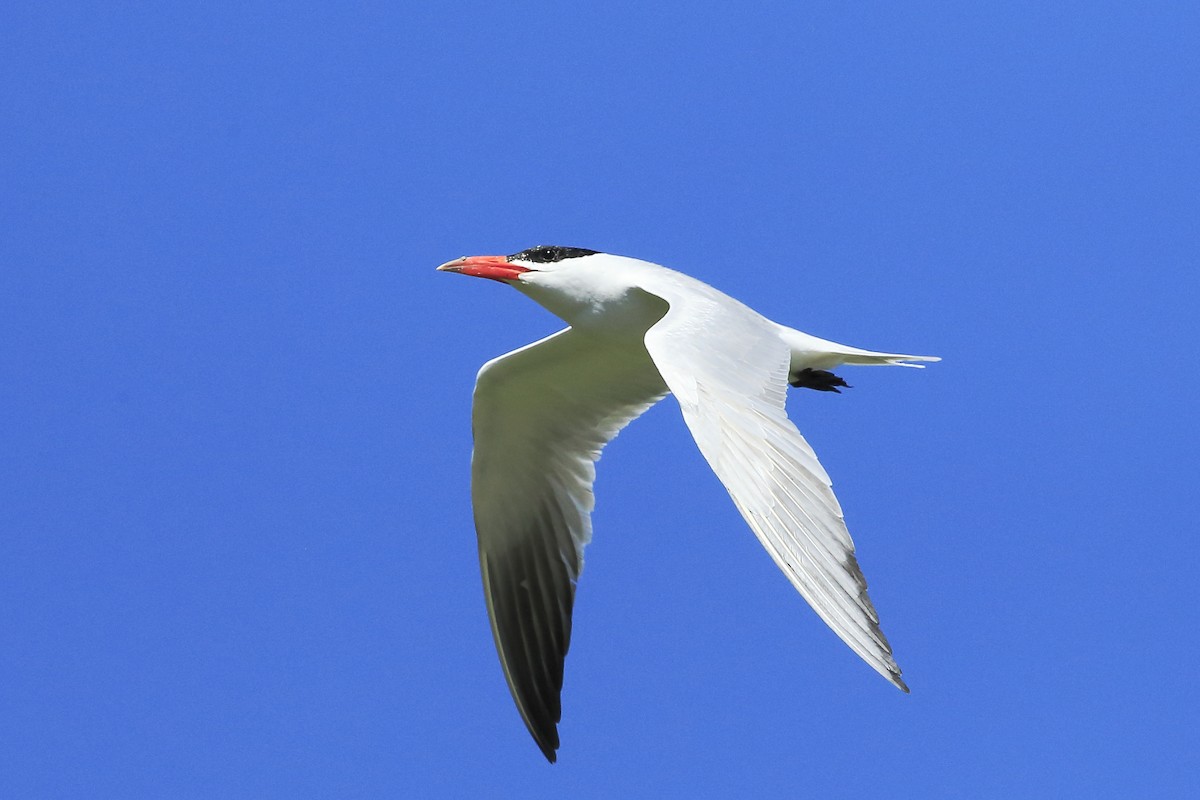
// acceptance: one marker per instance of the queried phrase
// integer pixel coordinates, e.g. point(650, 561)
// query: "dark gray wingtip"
point(551, 751)
point(530, 594)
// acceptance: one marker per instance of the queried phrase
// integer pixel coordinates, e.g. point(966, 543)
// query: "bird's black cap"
point(550, 253)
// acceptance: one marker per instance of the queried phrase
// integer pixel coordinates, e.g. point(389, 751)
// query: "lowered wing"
point(541, 416)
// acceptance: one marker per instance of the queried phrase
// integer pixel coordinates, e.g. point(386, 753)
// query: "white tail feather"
point(810, 352)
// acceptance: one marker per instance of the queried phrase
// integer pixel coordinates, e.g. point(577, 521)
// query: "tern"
point(541, 415)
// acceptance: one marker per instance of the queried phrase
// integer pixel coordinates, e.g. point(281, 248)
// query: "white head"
point(576, 284)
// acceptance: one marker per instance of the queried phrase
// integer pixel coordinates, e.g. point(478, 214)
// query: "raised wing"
point(541, 416)
point(728, 368)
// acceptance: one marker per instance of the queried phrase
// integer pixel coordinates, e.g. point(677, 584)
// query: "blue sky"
point(236, 547)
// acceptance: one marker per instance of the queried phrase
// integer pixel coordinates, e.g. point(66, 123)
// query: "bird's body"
point(543, 413)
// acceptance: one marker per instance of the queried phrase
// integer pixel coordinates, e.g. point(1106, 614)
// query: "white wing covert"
point(728, 368)
point(541, 416)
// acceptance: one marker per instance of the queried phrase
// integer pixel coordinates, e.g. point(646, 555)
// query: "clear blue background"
point(236, 549)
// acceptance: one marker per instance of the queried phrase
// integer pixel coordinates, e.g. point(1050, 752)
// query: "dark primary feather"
point(532, 592)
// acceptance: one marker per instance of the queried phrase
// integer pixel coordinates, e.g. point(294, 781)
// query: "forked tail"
point(809, 352)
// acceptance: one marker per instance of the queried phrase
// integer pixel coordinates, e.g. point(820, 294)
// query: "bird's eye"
point(550, 254)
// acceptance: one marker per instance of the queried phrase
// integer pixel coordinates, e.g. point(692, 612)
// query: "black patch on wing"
point(532, 590)
point(550, 253)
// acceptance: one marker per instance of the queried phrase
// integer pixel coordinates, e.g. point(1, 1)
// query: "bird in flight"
point(542, 414)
